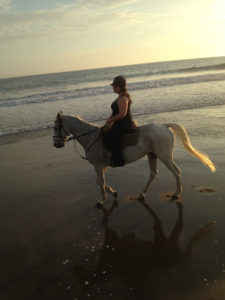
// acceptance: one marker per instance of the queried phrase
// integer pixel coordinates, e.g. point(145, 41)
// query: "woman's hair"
point(120, 81)
point(125, 93)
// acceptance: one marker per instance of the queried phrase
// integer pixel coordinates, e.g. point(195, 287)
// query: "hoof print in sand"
point(169, 196)
point(207, 190)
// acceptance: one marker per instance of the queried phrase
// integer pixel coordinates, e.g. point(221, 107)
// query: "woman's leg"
point(113, 142)
point(117, 156)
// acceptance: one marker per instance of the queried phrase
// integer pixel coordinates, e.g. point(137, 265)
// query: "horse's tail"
point(182, 134)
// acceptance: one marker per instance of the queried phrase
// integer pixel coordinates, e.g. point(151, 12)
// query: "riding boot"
point(113, 142)
point(118, 162)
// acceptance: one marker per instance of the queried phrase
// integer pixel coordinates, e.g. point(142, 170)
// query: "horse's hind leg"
point(176, 172)
point(152, 160)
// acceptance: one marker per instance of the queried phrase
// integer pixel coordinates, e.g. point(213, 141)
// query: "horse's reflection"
point(134, 260)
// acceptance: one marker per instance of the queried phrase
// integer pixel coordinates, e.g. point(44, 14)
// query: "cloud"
point(86, 16)
point(5, 5)
point(107, 3)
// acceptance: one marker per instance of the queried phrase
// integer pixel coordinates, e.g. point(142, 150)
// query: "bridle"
point(60, 127)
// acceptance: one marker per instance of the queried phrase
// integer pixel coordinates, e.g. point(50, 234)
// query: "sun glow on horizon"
point(47, 38)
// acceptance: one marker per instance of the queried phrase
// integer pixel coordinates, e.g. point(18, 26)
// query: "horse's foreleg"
point(100, 171)
point(110, 190)
point(152, 160)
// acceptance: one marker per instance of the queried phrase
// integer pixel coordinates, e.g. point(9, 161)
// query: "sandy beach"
point(56, 245)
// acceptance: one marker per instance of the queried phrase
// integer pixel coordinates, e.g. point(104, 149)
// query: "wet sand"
point(56, 245)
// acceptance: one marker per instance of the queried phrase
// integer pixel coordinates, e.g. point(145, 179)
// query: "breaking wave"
point(101, 90)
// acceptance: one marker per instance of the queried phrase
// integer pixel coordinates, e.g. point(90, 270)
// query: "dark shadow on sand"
point(128, 267)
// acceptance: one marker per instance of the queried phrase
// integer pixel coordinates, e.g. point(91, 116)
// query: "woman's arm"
point(123, 106)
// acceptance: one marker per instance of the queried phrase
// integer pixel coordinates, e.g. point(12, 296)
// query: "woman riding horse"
point(120, 122)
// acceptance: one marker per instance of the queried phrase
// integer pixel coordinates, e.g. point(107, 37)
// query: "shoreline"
point(160, 117)
point(14, 138)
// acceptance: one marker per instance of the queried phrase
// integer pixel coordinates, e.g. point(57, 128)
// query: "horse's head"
point(60, 132)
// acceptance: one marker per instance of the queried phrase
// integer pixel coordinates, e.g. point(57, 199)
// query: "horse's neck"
point(77, 126)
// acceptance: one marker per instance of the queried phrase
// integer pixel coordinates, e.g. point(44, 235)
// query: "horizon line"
point(99, 68)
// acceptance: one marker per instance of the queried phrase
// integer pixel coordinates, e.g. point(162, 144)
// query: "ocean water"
point(32, 102)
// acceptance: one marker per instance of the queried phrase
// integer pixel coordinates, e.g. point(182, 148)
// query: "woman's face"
point(116, 89)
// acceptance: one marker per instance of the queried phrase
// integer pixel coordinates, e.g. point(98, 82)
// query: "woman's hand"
point(109, 121)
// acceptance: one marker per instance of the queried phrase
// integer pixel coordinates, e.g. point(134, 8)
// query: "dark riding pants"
point(113, 140)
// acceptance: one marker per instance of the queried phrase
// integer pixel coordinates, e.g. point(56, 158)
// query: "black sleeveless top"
point(126, 124)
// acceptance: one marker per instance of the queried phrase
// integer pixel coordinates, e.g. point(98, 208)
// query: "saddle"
point(131, 139)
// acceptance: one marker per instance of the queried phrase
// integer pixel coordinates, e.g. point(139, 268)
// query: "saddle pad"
point(131, 139)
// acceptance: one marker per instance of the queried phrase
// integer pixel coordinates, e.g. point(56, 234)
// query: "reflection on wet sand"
point(132, 264)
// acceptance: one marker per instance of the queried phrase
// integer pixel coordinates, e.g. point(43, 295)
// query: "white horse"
point(155, 141)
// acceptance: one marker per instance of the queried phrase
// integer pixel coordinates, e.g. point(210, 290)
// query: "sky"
point(48, 36)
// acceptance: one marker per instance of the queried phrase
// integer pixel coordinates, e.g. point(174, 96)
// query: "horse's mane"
point(84, 121)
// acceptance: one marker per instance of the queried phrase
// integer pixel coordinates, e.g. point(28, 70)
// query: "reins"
point(81, 135)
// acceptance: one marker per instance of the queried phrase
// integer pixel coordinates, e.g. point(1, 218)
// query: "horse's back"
point(157, 135)
point(156, 138)
point(155, 130)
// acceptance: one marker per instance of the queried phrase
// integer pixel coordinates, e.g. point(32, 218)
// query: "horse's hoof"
point(174, 197)
point(99, 205)
point(115, 194)
point(141, 198)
